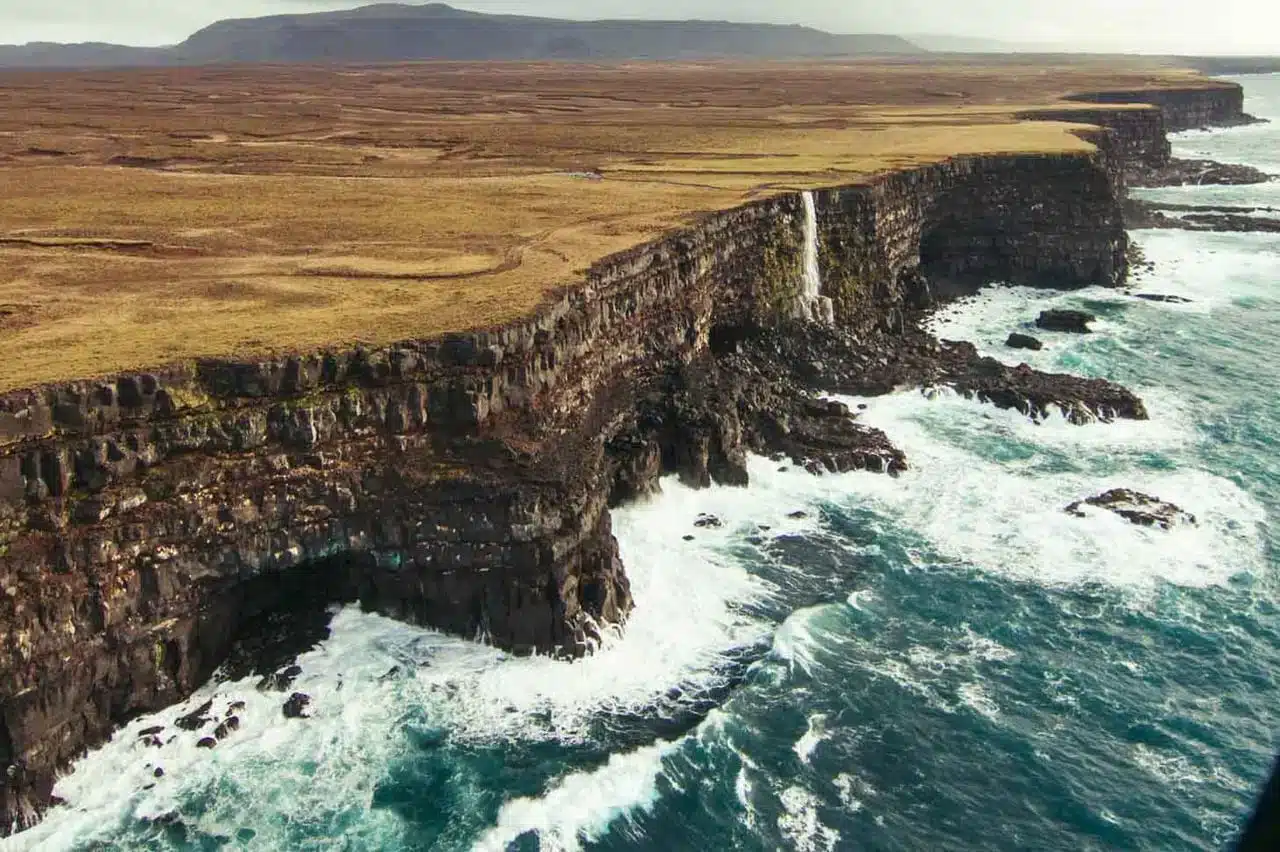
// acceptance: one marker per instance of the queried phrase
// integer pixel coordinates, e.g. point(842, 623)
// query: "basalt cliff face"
point(465, 483)
point(1217, 105)
point(1137, 137)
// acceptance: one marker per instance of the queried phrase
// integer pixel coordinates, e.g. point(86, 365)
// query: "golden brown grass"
point(160, 215)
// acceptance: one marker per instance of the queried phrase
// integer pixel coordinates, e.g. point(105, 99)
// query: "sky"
point(1170, 26)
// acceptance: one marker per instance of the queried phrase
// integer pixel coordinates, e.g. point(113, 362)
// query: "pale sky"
point(1190, 26)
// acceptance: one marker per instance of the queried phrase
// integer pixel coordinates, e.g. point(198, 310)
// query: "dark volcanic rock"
point(229, 726)
point(1230, 222)
point(1138, 508)
point(196, 719)
point(280, 681)
point(1071, 322)
point(1023, 341)
point(1222, 218)
point(1163, 297)
point(1199, 172)
point(268, 644)
point(207, 742)
point(151, 732)
point(708, 522)
point(1037, 394)
point(296, 706)
point(870, 365)
point(700, 419)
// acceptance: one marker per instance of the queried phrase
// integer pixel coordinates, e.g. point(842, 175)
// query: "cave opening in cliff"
point(260, 626)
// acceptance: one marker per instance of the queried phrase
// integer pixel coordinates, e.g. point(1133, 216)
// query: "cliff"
point(1220, 104)
point(465, 482)
point(1139, 121)
point(1138, 137)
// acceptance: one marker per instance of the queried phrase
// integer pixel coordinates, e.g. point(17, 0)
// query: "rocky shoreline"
point(1148, 214)
point(1197, 173)
point(156, 526)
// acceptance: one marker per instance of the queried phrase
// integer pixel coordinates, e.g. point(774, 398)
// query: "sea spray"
point(381, 688)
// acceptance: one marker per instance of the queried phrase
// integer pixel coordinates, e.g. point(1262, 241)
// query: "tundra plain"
point(154, 216)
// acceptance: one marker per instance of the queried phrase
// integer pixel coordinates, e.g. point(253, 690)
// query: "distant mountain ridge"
point(393, 32)
point(44, 54)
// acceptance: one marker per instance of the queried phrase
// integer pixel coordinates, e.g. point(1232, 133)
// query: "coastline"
point(509, 446)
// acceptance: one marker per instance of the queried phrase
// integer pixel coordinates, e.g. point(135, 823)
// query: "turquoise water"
point(941, 661)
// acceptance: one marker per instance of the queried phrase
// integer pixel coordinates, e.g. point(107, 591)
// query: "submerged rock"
point(1023, 341)
point(1231, 222)
point(296, 706)
point(1163, 297)
point(1218, 217)
point(1199, 173)
point(1138, 508)
point(207, 742)
point(281, 680)
point(1071, 322)
point(196, 719)
point(1034, 393)
point(708, 522)
point(228, 727)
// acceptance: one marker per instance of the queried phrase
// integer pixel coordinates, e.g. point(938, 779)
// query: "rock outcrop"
point(1018, 340)
point(1185, 217)
point(1176, 172)
point(465, 482)
point(1140, 509)
point(1066, 321)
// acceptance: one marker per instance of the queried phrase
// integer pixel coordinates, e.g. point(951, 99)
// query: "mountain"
point(941, 43)
point(394, 32)
point(43, 54)
point(959, 44)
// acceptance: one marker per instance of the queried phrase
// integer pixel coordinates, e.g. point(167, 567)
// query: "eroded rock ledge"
point(464, 483)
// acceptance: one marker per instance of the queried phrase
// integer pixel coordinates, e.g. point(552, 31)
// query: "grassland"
point(154, 216)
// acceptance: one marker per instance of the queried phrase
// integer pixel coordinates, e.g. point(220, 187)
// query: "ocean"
point(940, 661)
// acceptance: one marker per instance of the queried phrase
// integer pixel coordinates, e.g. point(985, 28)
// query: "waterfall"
point(813, 305)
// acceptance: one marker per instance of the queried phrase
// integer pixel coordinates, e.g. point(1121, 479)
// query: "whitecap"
point(975, 697)
point(812, 738)
point(375, 681)
point(580, 807)
point(801, 825)
point(1007, 516)
point(853, 791)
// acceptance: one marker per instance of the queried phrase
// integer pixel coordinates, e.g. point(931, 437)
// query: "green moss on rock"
point(782, 267)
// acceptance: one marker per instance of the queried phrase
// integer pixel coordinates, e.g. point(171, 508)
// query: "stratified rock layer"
point(464, 482)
